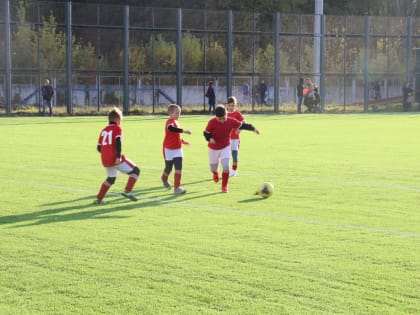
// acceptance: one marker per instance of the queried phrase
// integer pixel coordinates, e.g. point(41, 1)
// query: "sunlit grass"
point(340, 235)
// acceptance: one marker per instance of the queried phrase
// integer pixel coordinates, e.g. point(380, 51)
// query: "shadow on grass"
point(80, 212)
point(256, 198)
point(67, 210)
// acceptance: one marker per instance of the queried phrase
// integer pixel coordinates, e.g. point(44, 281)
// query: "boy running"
point(231, 107)
point(110, 145)
point(172, 149)
point(217, 133)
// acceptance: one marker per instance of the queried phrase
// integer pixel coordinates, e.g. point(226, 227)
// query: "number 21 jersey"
point(108, 143)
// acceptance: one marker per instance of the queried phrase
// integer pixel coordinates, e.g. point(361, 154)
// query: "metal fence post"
point(229, 47)
point(319, 11)
point(126, 101)
point(366, 65)
point(417, 75)
point(69, 68)
point(409, 47)
point(276, 62)
point(8, 58)
point(179, 79)
point(321, 88)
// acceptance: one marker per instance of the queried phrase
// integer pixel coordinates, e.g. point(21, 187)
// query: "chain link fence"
point(141, 58)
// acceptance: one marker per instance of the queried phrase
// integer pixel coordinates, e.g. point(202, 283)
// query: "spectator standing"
point(262, 92)
point(245, 92)
point(377, 90)
point(211, 95)
point(299, 92)
point(407, 91)
point(256, 95)
point(47, 94)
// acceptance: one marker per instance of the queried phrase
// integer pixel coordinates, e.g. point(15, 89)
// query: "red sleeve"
point(239, 116)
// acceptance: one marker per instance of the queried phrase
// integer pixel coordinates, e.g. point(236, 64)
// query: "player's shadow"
point(79, 212)
point(67, 201)
point(89, 210)
point(161, 188)
point(30, 216)
point(189, 196)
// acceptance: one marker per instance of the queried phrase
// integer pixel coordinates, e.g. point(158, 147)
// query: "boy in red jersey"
point(172, 149)
point(109, 145)
point(217, 133)
point(234, 134)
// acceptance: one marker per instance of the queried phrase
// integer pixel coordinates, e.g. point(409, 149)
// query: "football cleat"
point(130, 196)
point(167, 185)
point(179, 191)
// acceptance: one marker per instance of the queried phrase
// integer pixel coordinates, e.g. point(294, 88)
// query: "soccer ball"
point(266, 190)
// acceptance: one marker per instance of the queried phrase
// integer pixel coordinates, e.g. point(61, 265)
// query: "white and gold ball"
point(266, 190)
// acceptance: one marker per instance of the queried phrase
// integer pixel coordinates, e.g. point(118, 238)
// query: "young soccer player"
point(110, 146)
point(217, 133)
point(232, 112)
point(172, 149)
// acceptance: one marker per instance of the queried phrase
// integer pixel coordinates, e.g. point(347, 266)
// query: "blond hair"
point(114, 113)
point(232, 100)
point(172, 107)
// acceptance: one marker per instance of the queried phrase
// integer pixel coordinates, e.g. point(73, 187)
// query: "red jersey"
point(234, 134)
point(220, 132)
point(172, 139)
point(107, 141)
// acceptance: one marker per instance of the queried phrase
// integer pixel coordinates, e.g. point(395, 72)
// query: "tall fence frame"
point(274, 35)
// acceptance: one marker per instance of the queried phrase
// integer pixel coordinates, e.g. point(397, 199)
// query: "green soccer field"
point(340, 235)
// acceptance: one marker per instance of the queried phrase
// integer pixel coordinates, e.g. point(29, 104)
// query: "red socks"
point(103, 190)
point(130, 182)
point(225, 179)
point(177, 179)
point(215, 177)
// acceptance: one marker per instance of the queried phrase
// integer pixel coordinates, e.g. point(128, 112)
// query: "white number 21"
point(106, 137)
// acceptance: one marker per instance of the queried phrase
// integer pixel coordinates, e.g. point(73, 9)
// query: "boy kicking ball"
point(217, 133)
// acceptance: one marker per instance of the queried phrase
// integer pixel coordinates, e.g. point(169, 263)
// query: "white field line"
point(298, 219)
point(253, 175)
point(233, 210)
point(332, 181)
point(310, 179)
point(351, 182)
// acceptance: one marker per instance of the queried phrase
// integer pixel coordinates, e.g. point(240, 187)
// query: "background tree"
point(161, 54)
point(53, 49)
point(265, 60)
point(52, 45)
point(23, 44)
point(138, 57)
point(216, 57)
point(192, 53)
point(331, 7)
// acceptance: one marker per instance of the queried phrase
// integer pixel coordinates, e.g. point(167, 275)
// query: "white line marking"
point(302, 220)
point(254, 175)
point(233, 210)
point(334, 181)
